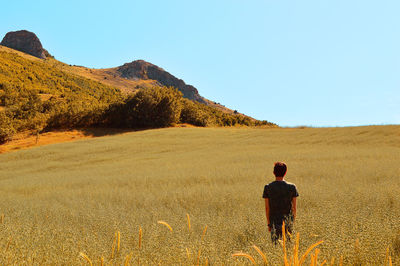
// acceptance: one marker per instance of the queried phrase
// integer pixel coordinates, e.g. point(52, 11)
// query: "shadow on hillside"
point(101, 132)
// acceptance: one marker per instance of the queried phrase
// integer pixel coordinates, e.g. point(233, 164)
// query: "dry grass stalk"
point(118, 241)
point(285, 260)
point(204, 233)
point(241, 254)
point(114, 246)
point(140, 237)
point(295, 261)
point(2, 218)
point(303, 258)
point(387, 256)
point(188, 253)
point(316, 256)
point(8, 243)
point(296, 250)
point(102, 261)
point(198, 257)
point(128, 259)
point(166, 224)
point(86, 258)
point(261, 254)
point(332, 261)
point(341, 261)
point(188, 220)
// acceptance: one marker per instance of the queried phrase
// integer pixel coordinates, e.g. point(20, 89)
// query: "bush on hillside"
point(6, 128)
point(193, 114)
point(35, 95)
point(153, 107)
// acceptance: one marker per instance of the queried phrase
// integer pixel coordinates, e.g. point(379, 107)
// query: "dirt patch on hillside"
point(27, 140)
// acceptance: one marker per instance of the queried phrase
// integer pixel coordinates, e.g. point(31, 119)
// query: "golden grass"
point(166, 224)
point(108, 76)
point(83, 255)
point(26, 140)
point(62, 199)
point(140, 238)
point(188, 221)
point(261, 254)
point(244, 255)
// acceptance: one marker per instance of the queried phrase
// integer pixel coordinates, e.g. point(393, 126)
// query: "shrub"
point(6, 128)
point(154, 107)
point(192, 114)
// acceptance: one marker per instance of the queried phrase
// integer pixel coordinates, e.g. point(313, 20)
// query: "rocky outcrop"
point(140, 69)
point(25, 41)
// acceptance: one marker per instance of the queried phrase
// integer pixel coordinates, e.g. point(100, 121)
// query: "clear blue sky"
point(316, 63)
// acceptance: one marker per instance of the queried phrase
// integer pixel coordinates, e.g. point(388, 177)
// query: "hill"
point(39, 94)
point(128, 78)
point(26, 42)
point(63, 199)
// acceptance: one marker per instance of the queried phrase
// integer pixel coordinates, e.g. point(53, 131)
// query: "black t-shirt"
point(280, 195)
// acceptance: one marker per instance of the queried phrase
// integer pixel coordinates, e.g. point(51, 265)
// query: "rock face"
point(140, 69)
point(25, 41)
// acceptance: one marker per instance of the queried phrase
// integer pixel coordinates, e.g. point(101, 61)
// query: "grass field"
point(63, 199)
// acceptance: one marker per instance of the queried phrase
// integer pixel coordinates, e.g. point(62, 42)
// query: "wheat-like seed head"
point(241, 254)
point(166, 224)
point(86, 258)
point(261, 254)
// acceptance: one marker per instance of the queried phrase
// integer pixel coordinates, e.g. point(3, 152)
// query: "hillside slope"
point(45, 94)
point(128, 78)
point(29, 72)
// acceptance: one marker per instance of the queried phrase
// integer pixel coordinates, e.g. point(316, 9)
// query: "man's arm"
point(267, 213)
point(294, 207)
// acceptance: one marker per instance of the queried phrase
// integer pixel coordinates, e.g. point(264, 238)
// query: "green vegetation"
point(63, 199)
point(163, 107)
point(35, 95)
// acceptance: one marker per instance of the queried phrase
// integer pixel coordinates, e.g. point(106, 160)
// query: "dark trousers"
point(276, 229)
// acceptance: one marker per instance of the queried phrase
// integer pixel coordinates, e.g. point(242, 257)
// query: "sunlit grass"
point(66, 199)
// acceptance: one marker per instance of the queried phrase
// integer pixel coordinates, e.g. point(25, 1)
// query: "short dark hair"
point(280, 169)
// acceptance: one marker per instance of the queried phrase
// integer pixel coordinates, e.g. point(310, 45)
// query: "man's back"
point(280, 195)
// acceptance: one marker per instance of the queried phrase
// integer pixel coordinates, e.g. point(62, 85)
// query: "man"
point(280, 202)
